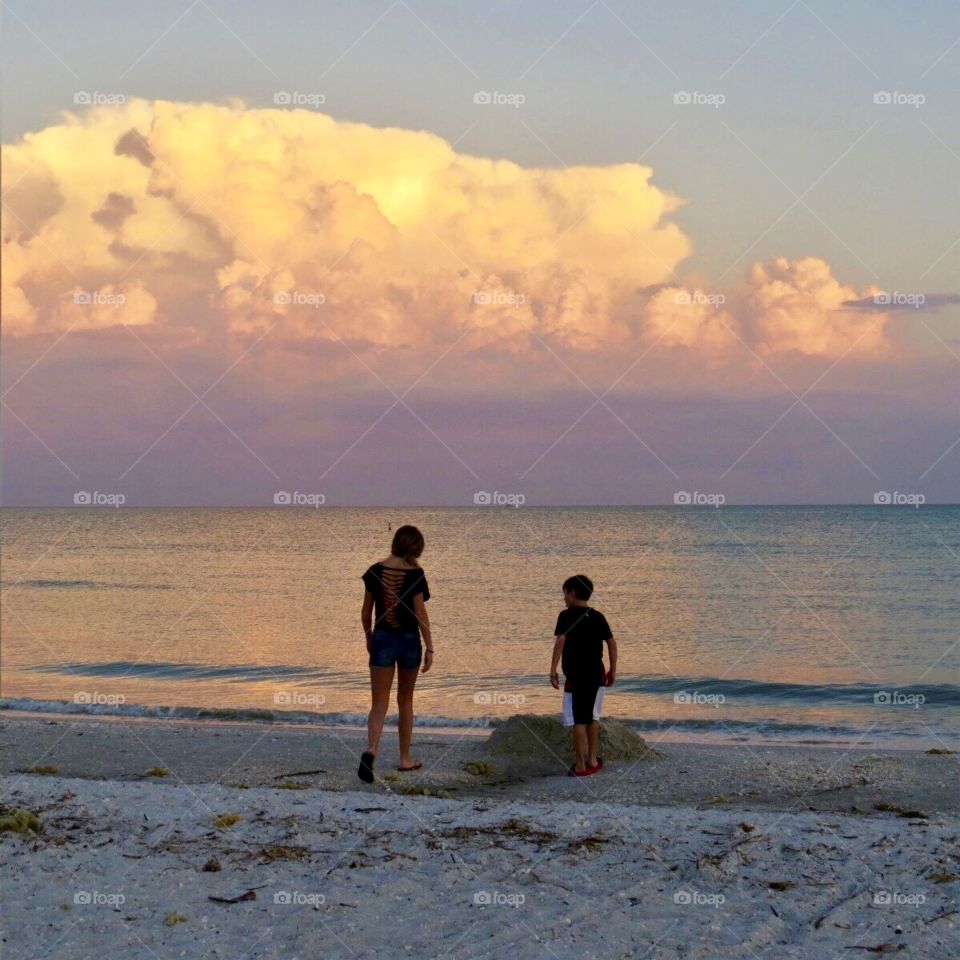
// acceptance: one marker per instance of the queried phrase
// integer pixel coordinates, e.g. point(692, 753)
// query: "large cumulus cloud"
point(799, 305)
point(222, 218)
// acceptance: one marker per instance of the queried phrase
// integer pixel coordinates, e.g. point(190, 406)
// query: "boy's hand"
point(610, 678)
point(555, 681)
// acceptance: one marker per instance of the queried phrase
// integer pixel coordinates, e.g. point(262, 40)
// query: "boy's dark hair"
point(581, 585)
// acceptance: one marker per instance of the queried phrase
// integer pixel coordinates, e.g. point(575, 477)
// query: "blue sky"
point(797, 161)
point(599, 79)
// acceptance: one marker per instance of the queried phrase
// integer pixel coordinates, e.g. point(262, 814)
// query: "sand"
point(703, 852)
point(251, 754)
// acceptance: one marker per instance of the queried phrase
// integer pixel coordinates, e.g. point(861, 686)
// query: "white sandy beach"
point(337, 871)
point(120, 870)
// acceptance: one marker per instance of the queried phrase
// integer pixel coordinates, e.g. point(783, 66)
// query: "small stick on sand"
point(818, 923)
point(943, 913)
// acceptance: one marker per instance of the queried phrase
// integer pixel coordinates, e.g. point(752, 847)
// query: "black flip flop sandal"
point(365, 770)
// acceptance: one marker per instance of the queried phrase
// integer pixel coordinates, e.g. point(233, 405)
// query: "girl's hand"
point(610, 679)
point(555, 681)
point(369, 641)
point(427, 660)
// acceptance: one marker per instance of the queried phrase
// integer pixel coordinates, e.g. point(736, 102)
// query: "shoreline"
point(480, 729)
point(666, 731)
point(250, 754)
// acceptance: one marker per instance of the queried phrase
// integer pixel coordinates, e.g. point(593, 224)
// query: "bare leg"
point(580, 746)
point(593, 741)
point(381, 680)
point(406, 681)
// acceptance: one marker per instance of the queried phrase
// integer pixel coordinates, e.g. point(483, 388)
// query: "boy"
point(580, 634)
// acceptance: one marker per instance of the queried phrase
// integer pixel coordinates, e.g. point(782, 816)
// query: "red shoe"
point(573, 772)
point(598, 767)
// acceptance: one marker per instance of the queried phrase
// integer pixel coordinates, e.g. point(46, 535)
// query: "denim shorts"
point(401, 649)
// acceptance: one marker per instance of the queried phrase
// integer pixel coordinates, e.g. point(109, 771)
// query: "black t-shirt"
point(393, 591)
point(585, 630)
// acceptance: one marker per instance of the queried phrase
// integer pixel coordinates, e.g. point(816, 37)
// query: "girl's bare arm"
point(423, 618)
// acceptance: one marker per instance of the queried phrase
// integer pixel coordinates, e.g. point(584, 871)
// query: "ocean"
point(815, 625)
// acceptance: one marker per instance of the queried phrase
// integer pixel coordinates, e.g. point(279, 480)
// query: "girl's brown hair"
point(407, 544)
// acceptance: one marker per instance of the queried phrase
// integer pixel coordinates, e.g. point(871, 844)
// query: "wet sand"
point(251, 754)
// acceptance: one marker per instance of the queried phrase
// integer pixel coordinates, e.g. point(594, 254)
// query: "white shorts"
point(568, 707)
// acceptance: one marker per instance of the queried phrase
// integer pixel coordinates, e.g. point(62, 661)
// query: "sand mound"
point(541, 744)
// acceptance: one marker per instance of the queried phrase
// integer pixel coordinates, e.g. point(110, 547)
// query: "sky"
point(418, 252)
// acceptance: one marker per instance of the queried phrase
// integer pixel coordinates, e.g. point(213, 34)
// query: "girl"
point(396, 591)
